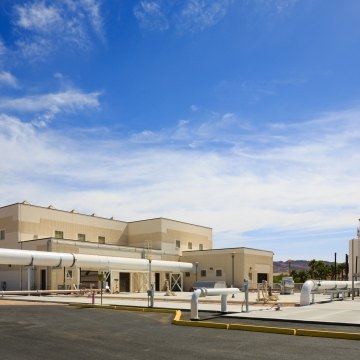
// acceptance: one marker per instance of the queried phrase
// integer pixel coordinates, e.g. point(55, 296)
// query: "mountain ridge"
point(298, 265)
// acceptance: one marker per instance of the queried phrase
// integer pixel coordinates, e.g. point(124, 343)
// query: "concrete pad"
point(345, 311)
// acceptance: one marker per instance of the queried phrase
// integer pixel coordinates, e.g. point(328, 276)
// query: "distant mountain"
point(298, 265)
point(283, 266)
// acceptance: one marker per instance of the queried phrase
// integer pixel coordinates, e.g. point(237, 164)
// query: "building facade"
point(230, 266)
point(30, 227)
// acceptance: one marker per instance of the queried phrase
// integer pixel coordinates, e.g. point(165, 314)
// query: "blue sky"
point(240, 115)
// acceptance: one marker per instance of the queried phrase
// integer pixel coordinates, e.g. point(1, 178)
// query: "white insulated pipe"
point(96, 262)
point(203, 292)
point(321, 285)
point(33, 258)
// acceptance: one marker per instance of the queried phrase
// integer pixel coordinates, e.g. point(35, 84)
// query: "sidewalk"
point(345, 311)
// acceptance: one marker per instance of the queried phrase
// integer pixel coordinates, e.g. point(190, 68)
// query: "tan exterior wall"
point(161, 234)
point(9, 223)
point(354, 250)
point(229, 265)
point(145, 234)
point(39, 222)
point(187, 234)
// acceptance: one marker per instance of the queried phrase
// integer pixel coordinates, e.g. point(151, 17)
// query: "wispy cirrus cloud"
point(47, 106)
point(67, 100)
point(279, 6)
point(197, 15)
point(189, 15)
point(8, 79)
point(38, 17)
point(2, 48)
point(43, 27)
point(151, 16)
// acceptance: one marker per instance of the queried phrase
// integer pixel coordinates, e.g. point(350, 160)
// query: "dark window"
point(177, 244)
point(59, 234)
point(218, 272)
point(81, 237)
point(101, 239)
point(2, 234)
point(203, 273)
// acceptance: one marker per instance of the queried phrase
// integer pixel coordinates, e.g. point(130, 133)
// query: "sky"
point(239, 115)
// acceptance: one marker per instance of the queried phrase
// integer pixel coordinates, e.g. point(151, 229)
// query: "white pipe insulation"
point(203, 292)
point(321, 285)
point(95, 262)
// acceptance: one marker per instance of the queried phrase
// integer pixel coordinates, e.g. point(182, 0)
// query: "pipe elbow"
point(308, 286)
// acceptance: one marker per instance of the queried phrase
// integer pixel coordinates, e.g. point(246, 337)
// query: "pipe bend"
point(306, 289)
point(194, 303)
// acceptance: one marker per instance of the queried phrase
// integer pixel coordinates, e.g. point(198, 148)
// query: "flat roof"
point(164, 218)
point(227, 249)
point(51, 207)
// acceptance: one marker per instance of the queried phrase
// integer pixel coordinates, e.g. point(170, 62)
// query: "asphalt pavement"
point(66, 332)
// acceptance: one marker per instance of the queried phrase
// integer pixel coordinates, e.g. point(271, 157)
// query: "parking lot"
point(41, 331)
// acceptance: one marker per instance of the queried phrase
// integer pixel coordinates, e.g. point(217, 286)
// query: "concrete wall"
point(354, 250)
point(229, 265)
point(40, 222)
point(162, 234)
point(9, 223)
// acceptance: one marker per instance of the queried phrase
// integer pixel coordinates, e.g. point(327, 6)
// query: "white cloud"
point(200, 14)
point(184, 16)
point(279, 6)
point(38, 17)
point(3, 49)
point(47, 106)
point(6, 78)
point(70, 100)
point(43, 27)
point(150, 16)
point(92, 8)
point(296, 188)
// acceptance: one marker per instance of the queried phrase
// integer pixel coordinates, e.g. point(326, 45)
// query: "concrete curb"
point(328, 334)
point(266, 329)
point(214, 325)
point(123, 307)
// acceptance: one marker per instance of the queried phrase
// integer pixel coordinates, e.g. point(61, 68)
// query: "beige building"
point(354, 257)
point(231, 266)
point(29, 227)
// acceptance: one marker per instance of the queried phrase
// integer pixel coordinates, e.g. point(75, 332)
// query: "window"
point(81, 237)
point(177, 244)
point(59, 234)
point(218, 272)
point(187, 274)
point(2, 234)
point(189, 245)
point(201, 247)
point(203, 273)
point(101, 239)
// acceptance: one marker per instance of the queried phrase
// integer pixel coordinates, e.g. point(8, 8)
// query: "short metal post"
point(246, 289)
